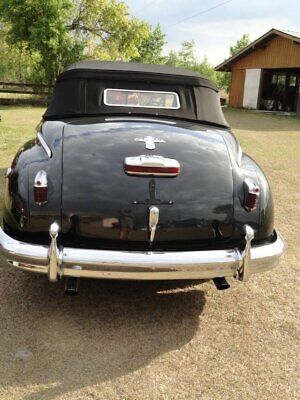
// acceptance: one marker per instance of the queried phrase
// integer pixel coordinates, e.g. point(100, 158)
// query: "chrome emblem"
point(149, 141)
point(153, 221)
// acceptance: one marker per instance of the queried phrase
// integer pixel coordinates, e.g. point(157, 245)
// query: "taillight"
point(41, 188)
point(251, 194)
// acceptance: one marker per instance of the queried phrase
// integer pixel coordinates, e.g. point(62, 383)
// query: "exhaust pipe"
point(221, 283)
point(71, 286)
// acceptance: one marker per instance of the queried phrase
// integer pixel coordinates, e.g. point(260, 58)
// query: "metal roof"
point(271, 34)
point(291, 33)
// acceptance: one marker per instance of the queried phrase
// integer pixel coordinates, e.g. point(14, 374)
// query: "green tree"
point(186, 58)
point(240, 44)
point(107, 30)
point(150, 48)
point(16, 64)
point(206, 69)
point(186, 55)
point(171, 59)
point(63, 31)
point(41, 27)
point(224, 78)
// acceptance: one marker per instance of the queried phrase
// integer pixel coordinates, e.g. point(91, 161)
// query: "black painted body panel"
point(102, 206)
point(92, 198)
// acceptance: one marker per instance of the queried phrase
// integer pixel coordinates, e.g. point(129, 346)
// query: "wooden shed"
point(265, 75)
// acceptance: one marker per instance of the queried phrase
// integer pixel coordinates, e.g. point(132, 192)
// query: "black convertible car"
point(135, 174)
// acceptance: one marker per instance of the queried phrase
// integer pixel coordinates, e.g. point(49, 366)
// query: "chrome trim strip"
point(239, 156)
point(8, 172)
point(140, 91)
point(44, 144)
point(112, 264)
point(151, 174)
point(134, 118)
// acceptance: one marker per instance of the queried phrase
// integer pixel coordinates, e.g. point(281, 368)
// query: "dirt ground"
point(134, 340)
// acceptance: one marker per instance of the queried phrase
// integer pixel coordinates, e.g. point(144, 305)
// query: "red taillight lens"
point(41, 195)
point(144, 170)
point(251, 200)
point(41, 188)
point(251, 195)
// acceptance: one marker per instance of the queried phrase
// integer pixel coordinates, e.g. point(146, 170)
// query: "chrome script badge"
point(149, 141)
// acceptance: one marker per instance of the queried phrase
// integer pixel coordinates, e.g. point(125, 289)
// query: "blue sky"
point(215, 30)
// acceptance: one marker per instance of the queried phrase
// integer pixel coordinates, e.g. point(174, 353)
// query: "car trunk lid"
point(101, 203)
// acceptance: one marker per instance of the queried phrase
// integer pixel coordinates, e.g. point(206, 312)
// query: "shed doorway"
point(280, 90)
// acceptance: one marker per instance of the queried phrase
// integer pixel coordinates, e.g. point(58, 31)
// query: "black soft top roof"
point(136, 71)
point(79, 91)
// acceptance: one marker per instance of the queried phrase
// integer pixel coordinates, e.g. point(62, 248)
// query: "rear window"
point(141, 98)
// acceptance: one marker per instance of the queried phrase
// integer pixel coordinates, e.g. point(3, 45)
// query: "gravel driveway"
point(154, 340)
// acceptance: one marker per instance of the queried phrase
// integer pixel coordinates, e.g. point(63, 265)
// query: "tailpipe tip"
point(221, 283)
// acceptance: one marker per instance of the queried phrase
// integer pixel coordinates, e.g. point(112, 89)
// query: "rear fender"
point(243, 166)
point(20, 210)
point(262, 218)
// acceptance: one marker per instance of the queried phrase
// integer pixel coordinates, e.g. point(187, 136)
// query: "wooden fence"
point(25, 88)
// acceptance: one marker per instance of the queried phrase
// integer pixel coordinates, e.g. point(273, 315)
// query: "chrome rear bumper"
point(112, 264)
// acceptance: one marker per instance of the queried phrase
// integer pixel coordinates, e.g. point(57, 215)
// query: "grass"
point(16, 127)
point(126, 340)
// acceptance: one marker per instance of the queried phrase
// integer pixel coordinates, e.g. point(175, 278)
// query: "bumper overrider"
point(58, 262)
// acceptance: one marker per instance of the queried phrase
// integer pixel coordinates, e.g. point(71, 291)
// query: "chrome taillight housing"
point(41, 188)
point(251, 195)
